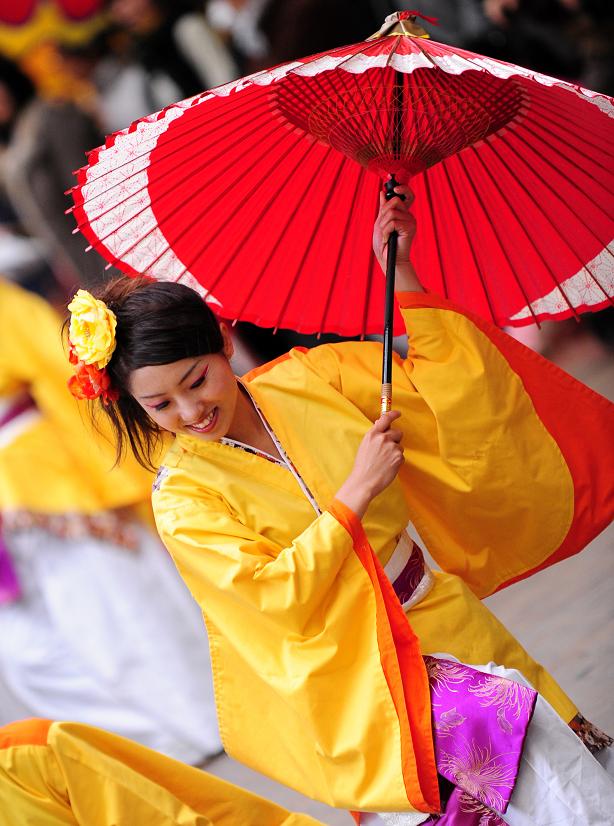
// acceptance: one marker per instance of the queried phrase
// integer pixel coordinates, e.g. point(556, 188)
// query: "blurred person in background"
point(179, 54)
point(22, 258)
point(41, 143)
point(571, 39)
point(296, 28)
point(95, 623)
point(264, 33)
point(458, 22)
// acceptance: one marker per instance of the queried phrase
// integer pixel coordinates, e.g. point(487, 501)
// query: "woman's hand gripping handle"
point(394, 214)
point(378, 460)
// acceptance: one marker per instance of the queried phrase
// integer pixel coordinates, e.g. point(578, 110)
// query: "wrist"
point(406, 279)
point(355, 495)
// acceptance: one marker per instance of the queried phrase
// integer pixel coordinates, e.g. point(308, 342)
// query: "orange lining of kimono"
point(264, 368)
point(570, 425)
point(404, 670)
point(32, 732)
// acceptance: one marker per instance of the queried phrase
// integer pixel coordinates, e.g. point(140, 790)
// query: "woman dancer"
point(285, 509)
point(95, 625)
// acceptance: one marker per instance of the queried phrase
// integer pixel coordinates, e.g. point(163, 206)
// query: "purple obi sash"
point(480, 722)
point(10, 589)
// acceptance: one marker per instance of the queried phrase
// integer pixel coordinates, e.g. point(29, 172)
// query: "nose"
point(190, 412)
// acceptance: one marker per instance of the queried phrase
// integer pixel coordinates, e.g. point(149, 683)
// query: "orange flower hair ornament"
point(91, 338)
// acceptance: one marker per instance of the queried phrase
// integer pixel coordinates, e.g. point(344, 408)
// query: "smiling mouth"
point(207, 424)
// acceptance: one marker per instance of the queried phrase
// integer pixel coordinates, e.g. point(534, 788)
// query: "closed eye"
point(200, 380)
point(161, 406)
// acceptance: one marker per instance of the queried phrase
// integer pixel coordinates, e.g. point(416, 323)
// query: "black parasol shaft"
point(391, 262)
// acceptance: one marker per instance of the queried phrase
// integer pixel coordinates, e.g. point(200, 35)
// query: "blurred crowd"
point(72, 73)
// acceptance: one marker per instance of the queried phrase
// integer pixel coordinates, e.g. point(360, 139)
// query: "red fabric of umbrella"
point(263, 192)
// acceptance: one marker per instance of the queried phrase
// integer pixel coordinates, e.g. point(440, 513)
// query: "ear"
point(228, 348)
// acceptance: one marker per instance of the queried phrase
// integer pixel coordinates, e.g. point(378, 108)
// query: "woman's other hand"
point(395, 215)
point(377, 463)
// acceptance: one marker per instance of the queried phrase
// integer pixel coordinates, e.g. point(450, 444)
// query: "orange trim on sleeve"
point(31, 732)
point(578, 419)
point(264, 368)
point(406, 299)
point(348, 519)
point(404, 670)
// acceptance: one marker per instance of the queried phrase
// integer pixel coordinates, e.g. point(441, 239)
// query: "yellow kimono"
point(318, 683)
point(73, 465)
point(68, 774)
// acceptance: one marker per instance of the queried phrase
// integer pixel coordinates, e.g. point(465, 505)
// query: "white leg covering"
point(606, 758)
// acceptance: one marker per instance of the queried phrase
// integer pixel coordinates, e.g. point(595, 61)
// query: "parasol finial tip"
point(403, 23)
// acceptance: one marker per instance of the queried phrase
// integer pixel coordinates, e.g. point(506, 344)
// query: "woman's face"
point(196, 395)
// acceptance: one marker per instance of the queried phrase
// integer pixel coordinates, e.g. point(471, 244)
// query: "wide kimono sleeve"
point(340, 723)
point(508, 460)
point(69, 773)
point(217, 554)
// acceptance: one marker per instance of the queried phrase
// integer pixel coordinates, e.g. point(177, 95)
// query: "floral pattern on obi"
point(464, 810)
point(480, 723)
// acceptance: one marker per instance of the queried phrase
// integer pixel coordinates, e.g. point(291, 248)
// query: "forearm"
point(406, 279)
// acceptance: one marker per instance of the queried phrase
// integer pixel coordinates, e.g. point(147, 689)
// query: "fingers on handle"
point(400, 189)
point(385, 420)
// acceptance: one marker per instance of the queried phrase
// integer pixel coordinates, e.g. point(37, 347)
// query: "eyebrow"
point(181, 381)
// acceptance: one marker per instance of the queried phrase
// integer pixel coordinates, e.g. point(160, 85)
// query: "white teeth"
point(205, 422)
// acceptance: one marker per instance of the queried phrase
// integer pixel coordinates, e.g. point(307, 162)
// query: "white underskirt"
point(109, 637)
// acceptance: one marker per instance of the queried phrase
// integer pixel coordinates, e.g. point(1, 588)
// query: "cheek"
point(160, 417)
point(230, 391)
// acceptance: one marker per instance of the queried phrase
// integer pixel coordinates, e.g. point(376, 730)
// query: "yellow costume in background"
point(66, 774)
point(76, 474)
point(293, 611)
point(100, 628)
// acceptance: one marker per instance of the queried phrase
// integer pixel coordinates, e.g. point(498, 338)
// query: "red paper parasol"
point(263, 192)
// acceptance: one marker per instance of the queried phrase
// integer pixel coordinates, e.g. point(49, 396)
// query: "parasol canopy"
point(263, 192)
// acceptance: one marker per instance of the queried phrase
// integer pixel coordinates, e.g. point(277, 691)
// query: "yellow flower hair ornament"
point(91, 337)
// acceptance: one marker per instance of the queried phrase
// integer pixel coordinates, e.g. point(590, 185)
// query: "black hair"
point(157, 323)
